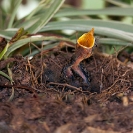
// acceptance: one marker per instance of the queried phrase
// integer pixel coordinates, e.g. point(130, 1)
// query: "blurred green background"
point(28, 5)
point(112, 20)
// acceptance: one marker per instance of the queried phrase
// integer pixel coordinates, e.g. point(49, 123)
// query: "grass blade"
point(30, 19)
point(61, 25)
point(118, 3)
point(17, 4)
point(23, 42)
point(47, 16)
point(6, 76)
point(105, 28)
point(9, 33)
point(27, 24)
point(40, 6)
point(111, 41)
point(115, 11)
point(4, 51)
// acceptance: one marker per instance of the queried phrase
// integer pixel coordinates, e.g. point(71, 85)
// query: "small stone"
point(125, 101)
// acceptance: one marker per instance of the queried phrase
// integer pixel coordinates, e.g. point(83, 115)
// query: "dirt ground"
point(43, 100)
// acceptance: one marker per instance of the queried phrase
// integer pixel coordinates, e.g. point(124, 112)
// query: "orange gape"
point(87, 40)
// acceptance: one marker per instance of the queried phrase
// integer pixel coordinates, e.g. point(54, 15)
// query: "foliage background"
point(66, 21)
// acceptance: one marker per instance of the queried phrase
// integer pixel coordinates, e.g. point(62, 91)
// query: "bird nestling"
point(84, 47)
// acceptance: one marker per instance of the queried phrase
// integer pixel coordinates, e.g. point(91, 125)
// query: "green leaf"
point(34, 52)
point(32, 18)
point(115, 11)
point(54, 7)
point(110, 29)
point(20, 34)
point(118, 3)
point(28, 23)
point(7, 33)
point(17, 4)
point(4, 51)
point(35, 38)
point(40, 6)
point(6, 76)
point(111, 41)
point(61, 25)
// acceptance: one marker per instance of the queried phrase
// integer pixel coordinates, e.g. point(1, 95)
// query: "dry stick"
point(102, 63)
point(32, 74)
point(30, 64)
point(120, 50)
point(125, 73)
point(108, 65)
point(112, 72)
point(110, 91)
point(29, 47)
point(96, 66)
point(73, 87)
point(55, 63)
point(59, 63)
point(101, 81)
point(116, 82)
point(41, 65)
point(67, 85)
point(19, 86)
point(36, 46)
point(10, 75)
point(108, 68)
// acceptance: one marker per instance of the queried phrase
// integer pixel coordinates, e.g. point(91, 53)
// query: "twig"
point(56, 63)
point(67, 85)
point(19, 86)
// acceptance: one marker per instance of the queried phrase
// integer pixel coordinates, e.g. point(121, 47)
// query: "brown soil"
point(43, 100)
